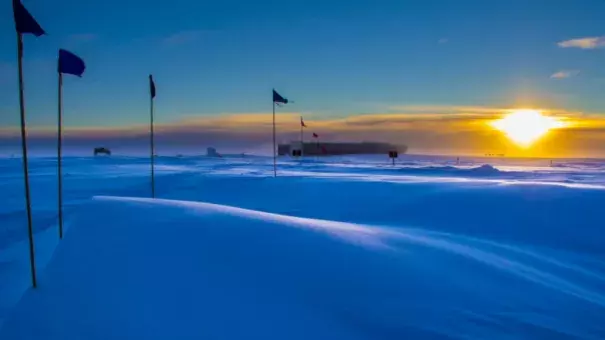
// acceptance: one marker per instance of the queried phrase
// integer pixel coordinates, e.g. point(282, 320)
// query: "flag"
point(315, 135)
point(277, 98)
point(151, 86)
point(70, 63)
point(302, 122)
point(25, 22)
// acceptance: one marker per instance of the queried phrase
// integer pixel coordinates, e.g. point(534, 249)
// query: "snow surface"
point(334, 248)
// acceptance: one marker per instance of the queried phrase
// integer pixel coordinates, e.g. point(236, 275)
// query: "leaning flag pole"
point(25, 23)
point(302, 145)
point(274, 152)
point(152, 146)
point(59, 156)
point(277, 98)
point(32, 256)
point(68, 63)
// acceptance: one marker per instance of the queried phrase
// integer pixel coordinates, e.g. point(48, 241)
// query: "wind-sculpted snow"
point(158, 269)
point(334, 248)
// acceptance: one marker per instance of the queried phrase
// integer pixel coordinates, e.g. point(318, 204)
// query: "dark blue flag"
point(151, 86)
point(25, 22)
point(277, 98)
point(70, 63)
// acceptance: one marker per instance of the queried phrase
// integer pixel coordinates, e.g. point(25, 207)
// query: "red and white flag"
point(315, 135)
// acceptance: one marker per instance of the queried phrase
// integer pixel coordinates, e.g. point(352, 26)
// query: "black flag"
point(70, 63)
point(25, 22)
point(277, 98)
point(151, 86)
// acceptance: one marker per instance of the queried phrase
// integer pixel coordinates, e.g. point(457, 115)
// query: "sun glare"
point(524, 127)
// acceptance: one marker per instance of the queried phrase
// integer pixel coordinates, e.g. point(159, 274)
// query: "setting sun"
point(526, 126)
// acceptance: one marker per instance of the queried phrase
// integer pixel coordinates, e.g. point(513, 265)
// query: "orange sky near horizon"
point(424, 129)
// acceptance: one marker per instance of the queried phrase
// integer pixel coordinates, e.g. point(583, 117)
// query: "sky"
point(430, 74)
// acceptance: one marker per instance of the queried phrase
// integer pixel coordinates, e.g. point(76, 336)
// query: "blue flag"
point(277, 98)
point(70, 63)
point(151, 86)
point(25, 22)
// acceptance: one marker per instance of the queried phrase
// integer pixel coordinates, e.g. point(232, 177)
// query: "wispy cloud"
point(584, 43)
point(477, 111)
point(563, 74)
point(446, 129)
point(443, 41)
point(182, 37)
point(414, 117)
point(446, 109)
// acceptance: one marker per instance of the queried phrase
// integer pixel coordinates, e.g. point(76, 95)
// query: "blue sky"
point(334, 59)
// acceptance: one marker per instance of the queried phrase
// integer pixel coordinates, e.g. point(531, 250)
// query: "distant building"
point(331, 149)
point(211, 152)
point(103, 151)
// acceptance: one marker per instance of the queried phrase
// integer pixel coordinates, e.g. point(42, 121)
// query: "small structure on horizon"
point(211, 152)
point(103, 151)
point(392, 155)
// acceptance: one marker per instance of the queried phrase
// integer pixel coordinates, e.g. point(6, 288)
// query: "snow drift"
point(159, 269)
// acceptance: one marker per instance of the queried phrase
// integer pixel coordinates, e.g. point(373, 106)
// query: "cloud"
point(442, 40)
point(447, 129)
point(584, 43)
point(418, 117)
point(182, 37)
point(564, 74)
point(477, 111)
point(445, 109)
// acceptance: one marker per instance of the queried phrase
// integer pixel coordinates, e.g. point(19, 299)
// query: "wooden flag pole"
point(32, 258)
point(274, 151)
point(152, 149)
point(59, 154)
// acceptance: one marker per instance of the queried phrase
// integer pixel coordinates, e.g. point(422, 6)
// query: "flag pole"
point(152, 148)
point(59, 155)
point(32, 260)
point(302, 145)
point(274, 152)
